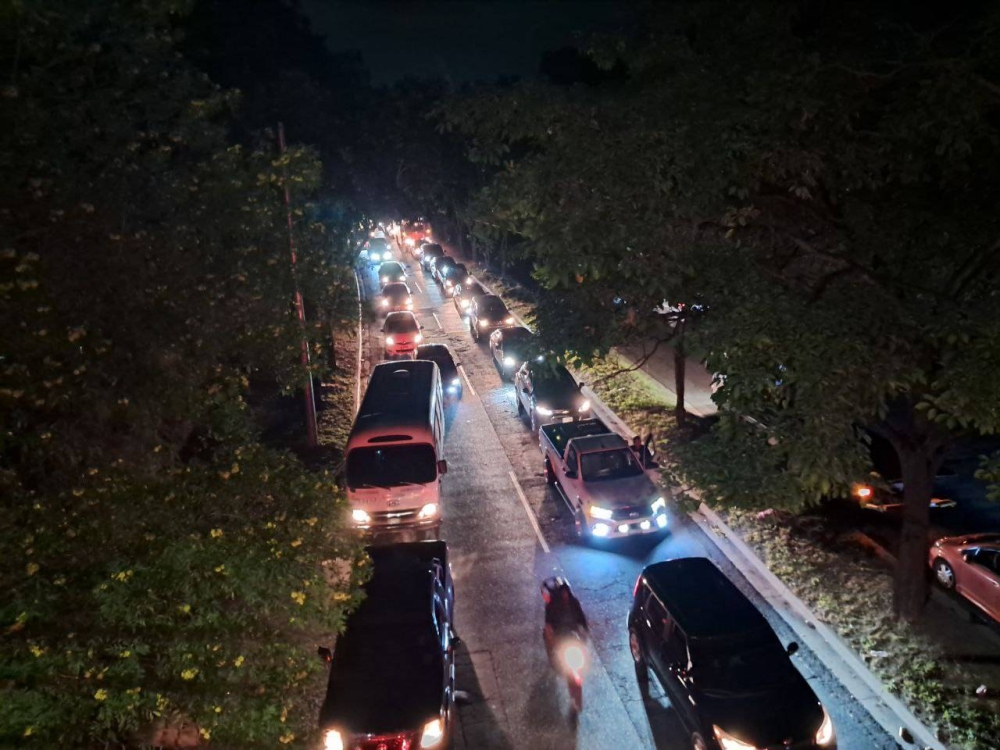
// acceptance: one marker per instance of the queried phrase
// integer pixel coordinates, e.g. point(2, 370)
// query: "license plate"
point(567, 419)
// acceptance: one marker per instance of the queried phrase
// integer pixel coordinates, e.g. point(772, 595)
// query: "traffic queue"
point(392, 673)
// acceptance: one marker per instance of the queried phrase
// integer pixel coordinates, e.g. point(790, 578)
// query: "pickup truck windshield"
point(616, 464)
point(391, 466)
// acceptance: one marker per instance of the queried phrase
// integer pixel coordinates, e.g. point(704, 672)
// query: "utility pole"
point(311, 432)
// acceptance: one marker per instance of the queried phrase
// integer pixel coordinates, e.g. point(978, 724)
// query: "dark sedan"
point(486, 314)
point(441, 268)
point(464, 294)
point(441, 354)
point(509, 347)
point(548, 393)
point(455, 276)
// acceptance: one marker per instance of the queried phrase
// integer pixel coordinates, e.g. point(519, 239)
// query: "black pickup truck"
point(392, 673)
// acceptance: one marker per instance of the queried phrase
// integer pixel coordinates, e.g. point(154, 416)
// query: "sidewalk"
point(658, 370)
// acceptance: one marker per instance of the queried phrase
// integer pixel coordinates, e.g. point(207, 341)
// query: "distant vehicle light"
point(600, 529)
point(389, 341)
point(603, 513)
point(484, 323)
point(456, 381)
point(470, 281)
point(333, 740)
point(433, 733)
point(543, 411)
point(623, 528)
point(509, 362)
point(645, 525)
point(585, 406)
point(863, 492)
point(508, 321)
point(385, 279)
point(428, 511)
point(410, 241)
point(360, 517)
point(465, 304)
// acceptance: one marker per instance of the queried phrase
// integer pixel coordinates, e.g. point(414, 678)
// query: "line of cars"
point(392, 674)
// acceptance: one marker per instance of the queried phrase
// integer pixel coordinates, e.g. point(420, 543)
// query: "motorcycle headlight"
point(332, 740)
point(409, 303)
point(543, 411)
point(428, 511)
point(825, 736)
point(410, 241)
point(389, 341)
point(659, 504)
point(603, 513)
point(728, 742)
point(585, 406)
point(433, 733)
point(359, 516)
point(509, 362)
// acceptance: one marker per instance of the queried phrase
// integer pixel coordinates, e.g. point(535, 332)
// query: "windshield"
point(492, 308)
point(516, 337)
point(749, 669)
point(390, 269)
point(401, 324)
point(391, 466)
point(557, 381)
point(616, 464)
point(377, 243)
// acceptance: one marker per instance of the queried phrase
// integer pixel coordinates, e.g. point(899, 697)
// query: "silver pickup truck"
point(607, 484)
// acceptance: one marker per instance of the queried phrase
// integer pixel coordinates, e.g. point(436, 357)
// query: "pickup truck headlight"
point(410, 241)
point(332, 740)
point(728, 742)
point(585, 406)
point(433, 733)
point(603, 513)
point(659, 505)
point(825, 736)
point(543, 411)
point(359, 516)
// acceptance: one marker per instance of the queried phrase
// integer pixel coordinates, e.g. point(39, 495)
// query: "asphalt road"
point(507, 531)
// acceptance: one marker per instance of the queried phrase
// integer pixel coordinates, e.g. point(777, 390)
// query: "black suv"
point(723, 668)
point(392, 674)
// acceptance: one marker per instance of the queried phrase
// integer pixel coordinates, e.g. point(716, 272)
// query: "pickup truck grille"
point(631, 513)
point(394, 517)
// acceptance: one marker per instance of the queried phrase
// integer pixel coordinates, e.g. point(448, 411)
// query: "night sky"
point(458, 40)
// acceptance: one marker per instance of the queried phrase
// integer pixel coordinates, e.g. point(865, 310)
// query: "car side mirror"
point(792, 648)
point(325, 654)
point(442, 466)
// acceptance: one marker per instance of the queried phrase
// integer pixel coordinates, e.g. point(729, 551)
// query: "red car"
point(970, 565)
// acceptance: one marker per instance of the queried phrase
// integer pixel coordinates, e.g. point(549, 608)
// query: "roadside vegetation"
point(161, 564)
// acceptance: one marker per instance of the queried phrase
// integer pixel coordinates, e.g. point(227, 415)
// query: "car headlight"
point(433, 733)
point(509, 362)
point(389, 341)
point(428, 511)
point(385, 303)
point(465, 304)
point(659, 504)
point(728, 742)
point(359, 516)
point(456, 381)
point(409, 303)
point(825, 736)
point(585, 406)
point(543, 411)
point(410, 241)
point(603, 513)
point(469, 281)
point(483, 323)
point(451, 389)
point(332, 740)
point(385, 279)
point(418, 338)
point(508, 320)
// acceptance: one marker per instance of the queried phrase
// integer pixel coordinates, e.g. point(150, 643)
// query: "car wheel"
point(641, 667)
point(550, 475)
point(944, 574)
point(697, 743)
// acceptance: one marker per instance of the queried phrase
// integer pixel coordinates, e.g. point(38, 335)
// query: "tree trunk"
point(680, 374)
point(910, 588)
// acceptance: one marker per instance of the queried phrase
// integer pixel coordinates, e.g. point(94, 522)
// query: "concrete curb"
point(885, 708)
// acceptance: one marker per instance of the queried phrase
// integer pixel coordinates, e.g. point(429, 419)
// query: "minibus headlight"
point(428, 511)
point(360, 517)
point(332, 740)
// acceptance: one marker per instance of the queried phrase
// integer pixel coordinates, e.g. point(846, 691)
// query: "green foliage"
point(159, 564)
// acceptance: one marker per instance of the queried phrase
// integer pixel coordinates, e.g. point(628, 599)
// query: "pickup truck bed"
point(560, 433)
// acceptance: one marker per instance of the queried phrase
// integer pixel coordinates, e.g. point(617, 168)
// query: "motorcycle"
point(567, 650)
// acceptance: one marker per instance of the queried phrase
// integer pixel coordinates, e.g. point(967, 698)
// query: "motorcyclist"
point(563, 613)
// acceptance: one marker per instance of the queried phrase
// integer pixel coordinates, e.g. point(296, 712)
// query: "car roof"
point(475, 289)
point(702, 600)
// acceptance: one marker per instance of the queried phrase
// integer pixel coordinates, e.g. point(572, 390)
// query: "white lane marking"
point(438, 321)
point(361, 344)
point(531, 514)
point(417, 286)
point(467, 381)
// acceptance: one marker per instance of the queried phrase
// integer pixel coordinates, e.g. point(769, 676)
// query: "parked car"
point(455, 276)
point(391, 271)
point(602, 480)
point(431, 252)
point(392, 673)
point(486, 314)
point(509, 347)
point(723, 668)
point(378, 249)
point(442, 355)
point(548, 393)
point(396, 297)
point(440, 268)
point(401, 334)
point(970, 565)
point(464, 294)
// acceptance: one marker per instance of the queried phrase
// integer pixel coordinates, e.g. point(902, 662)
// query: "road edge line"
point(467, 381)
point(527, 509)
point(805, 624)
point(361, 344)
